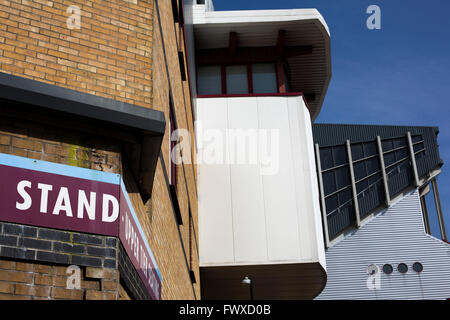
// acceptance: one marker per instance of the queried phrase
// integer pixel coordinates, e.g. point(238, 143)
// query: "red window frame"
point(223, 75)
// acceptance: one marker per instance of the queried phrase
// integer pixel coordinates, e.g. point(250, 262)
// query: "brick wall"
point(21, 280)
point(163, 231)
point(119, 53)
point(33, 140)
point(110, 55)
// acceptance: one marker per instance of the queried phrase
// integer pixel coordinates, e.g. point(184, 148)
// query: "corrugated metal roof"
point(394, 236)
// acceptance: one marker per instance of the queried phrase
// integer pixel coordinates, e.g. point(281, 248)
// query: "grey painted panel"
point(394, 236)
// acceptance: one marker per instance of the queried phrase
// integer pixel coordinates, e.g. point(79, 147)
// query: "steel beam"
point(413, 159)
point(383, 172)
point(352, 178)
point(322, 197)
point(437, 200)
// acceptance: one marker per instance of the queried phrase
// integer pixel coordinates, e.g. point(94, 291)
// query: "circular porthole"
point(402, 268)
point(388, 269)
point(418, 267)
point(372, 269)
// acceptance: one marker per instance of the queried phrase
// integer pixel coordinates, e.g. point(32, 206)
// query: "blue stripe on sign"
point(60, 169)
point(130, 205)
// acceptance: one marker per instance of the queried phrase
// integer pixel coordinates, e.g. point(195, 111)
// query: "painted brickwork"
point(118, 53)
point(57, 246)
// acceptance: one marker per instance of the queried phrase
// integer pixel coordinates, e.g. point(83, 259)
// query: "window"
point(264, 78)
point(209, 80)
point(173, 167)
point(176, 17)
point(182, 66)
point(172, 128)
point(237, 80)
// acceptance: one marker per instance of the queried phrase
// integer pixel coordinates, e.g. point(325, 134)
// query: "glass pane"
point(326, 158)
point(416, 139)
point(357, 152)
point(329, 183)
point(387, 145)
point(264, 78)
point(209, 80)
point(370, 149)
point(375, 179)
point(419, 147)
point(389, 159)
point(339, 155)
point(401, 154)
point(237, 81)
point(343, 177)
point(360, 170)
point(399, 142)
point(331, 203)
point(373, 165)
point(345, 196)
point(362, 186)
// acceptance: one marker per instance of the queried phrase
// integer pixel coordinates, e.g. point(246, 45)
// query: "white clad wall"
point(246, 188)
point(215, 193)
point(395, 236)
point(245, 217)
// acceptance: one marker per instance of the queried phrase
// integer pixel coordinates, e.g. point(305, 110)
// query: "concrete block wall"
point(57, 246)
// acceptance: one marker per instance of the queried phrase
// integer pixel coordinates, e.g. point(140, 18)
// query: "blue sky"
point(399, 75)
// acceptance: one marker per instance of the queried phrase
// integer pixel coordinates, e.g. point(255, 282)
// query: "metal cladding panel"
point(264, 210)
point(337, 134)
point(214, 204)
point(400, 176)
point(394, 236)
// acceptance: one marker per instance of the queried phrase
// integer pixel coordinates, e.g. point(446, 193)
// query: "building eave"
point(309, 73)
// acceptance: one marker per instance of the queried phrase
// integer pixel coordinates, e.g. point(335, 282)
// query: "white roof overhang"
point(308, 73)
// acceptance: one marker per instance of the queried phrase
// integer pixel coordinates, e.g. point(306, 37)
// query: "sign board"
point(52, 195)
point(136, 246)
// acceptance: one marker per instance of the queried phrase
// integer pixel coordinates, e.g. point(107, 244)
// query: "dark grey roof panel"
point(339, 202)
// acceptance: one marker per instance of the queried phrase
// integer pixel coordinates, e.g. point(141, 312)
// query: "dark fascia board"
point(57, 98)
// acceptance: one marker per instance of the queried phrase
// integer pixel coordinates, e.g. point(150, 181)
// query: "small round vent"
point(418, 267)
point(402, 268)
point(388, 269)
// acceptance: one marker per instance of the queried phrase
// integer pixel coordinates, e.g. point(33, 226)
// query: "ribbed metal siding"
point(394, 236)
